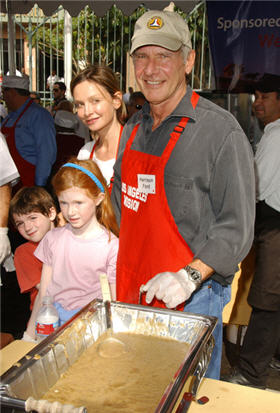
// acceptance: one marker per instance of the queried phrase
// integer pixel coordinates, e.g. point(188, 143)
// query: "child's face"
point(34, 226)
point(79, 209)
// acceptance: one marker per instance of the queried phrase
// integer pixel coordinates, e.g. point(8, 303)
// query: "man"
point(29, 131)
point(184, 184)
point(59, 90)
point(8, 176)
point(127, 95)
point(52, 78)
point(14, 306)
point(263, 333)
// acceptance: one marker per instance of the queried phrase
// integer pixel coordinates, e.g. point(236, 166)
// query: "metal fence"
point(40, 44)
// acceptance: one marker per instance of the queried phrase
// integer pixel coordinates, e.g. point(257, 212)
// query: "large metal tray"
point(37, 371)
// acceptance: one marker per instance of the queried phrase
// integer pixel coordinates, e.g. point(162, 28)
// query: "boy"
point(33, 213)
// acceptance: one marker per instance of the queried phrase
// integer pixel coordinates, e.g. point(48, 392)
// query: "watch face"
point(194, 274)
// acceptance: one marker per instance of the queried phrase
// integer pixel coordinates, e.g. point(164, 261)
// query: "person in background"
point(262, 338)
point(59, 90)
point(35, 97)
point(52, 78)
point(29, 131)
point(13, 305)
point(8, 177)
point(127, 95)
point(76, 254)
point(98, 101)
point(184, 184)
point(136, 102)
point(80, 128)
point(67, 141)
point(33, 213)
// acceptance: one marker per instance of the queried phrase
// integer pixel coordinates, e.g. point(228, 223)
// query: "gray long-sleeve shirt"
point(209, 181)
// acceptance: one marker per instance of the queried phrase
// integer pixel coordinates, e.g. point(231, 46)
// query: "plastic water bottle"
point(47, 319)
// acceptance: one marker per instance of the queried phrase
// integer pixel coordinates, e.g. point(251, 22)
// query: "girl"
point(98, 101)
point(75, 255)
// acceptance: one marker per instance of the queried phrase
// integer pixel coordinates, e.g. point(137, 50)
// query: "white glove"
point(173, 288)
point(8, 263)
point(26, 337)
point(5, 246)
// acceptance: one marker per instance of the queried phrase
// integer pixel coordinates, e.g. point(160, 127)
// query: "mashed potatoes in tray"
point(132, 382)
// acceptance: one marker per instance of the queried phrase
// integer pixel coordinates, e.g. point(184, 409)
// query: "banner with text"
point(244, 40)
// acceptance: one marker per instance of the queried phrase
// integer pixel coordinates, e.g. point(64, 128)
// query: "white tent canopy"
point(99, 7)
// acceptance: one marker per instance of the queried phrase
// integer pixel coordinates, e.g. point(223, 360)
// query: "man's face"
point(57, 92)
point(9, 97)
point(160, 74)
point(266, 106)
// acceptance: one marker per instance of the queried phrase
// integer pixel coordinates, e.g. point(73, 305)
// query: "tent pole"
point(67, 52)
point(11, 42)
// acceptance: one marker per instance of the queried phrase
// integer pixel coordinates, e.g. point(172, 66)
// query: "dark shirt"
point(209, 181)
point(35, 139)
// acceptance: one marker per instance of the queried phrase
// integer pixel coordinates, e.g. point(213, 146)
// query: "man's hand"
point(173, 288)
point(5, 246)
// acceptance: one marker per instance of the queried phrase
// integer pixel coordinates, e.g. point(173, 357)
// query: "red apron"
point(26, 169)
point(92, 153)
point(150, 242)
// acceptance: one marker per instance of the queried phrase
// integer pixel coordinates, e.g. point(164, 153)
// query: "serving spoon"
point(109, 347)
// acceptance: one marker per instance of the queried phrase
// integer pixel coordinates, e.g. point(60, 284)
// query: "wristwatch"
point(194, 275)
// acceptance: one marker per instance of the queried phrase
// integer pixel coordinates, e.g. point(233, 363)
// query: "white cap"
point(15, 82)
point(66, 119)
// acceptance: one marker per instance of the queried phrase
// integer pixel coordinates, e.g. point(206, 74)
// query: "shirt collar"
point(271, 125)
point(183, 109)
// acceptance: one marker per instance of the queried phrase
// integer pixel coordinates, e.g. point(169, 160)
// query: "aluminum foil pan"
point(38, 370)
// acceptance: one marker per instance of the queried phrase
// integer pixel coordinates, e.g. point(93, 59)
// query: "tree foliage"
point(94, 39)
point(107, 39)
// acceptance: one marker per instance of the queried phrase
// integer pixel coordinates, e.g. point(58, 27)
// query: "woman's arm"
point(45, 280)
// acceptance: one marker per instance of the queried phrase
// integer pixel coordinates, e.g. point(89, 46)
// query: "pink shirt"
point(77, 264)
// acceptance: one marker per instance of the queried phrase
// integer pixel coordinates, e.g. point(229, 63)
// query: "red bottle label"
point(45, 329)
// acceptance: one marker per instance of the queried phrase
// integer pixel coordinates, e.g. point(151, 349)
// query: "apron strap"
point(177, 131)
point(18, 118)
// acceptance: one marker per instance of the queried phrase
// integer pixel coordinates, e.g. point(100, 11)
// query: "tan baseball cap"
point(161, 28)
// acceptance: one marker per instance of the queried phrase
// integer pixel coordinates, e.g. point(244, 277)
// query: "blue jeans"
point(64, 315)
point(210, 299)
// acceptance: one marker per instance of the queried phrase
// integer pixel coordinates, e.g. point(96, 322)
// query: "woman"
point(98, 101)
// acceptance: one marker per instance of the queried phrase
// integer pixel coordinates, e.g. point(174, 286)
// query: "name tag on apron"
point(146, 183)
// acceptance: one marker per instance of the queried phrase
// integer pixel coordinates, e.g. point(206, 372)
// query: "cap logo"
point(155, 23)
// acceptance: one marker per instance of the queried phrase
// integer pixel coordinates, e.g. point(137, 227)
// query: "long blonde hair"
point(68, 177)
